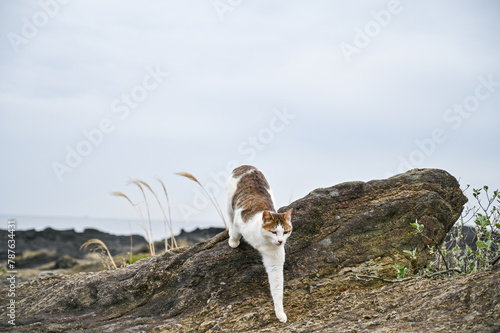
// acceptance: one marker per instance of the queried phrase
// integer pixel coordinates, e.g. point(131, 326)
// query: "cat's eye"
point(285, 232)
point(274, 232)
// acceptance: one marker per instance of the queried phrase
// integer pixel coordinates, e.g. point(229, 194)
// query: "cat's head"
point(277, 227)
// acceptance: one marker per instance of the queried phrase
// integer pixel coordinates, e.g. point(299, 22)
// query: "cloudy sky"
point(313, 93)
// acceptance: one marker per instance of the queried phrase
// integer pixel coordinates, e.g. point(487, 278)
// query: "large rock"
point(354, 222)
point(351, 227)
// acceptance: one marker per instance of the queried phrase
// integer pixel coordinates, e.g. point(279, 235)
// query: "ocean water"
point(112, 226)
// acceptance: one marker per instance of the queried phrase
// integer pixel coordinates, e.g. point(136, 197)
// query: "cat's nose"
point(280, 242)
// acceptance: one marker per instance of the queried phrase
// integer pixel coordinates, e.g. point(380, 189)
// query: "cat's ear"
point(267, 216)
point(288, 216)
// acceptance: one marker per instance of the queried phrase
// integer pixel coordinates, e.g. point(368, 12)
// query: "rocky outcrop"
point(49, 244)
point(349, 228)
point(355, 222)
point(50, 251)
point(65, 242)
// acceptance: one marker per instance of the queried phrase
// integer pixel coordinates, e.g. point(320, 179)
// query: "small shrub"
point(467, 248)
point(475, 248)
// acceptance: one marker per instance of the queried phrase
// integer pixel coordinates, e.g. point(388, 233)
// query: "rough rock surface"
point(339, 231)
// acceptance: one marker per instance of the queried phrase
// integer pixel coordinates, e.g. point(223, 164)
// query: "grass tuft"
point(99, 246)
point(142, 185)
point(138, 211)
point(139, 184)
point(168, 222)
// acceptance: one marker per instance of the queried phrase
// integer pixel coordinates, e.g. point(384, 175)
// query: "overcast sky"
point(314, 93)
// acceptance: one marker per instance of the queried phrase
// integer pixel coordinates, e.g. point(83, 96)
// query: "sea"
point(115, 226)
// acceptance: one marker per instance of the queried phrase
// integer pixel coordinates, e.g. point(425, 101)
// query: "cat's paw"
point(233, 243)
point(281, 316)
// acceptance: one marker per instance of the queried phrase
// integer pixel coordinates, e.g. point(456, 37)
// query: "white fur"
point(271, 246)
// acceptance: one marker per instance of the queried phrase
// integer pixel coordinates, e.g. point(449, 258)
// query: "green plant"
point(413, 254)
point(418, 227)
point(133, 258)
point(483, 250)
point(473, 244)
point(137, 258)
point(401, 271)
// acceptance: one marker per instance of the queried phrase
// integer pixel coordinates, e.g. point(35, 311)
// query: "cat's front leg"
point(274, 268)
point(280, 313)
point(275, 274)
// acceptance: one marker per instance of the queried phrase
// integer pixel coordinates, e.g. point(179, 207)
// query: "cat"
point(253, 216)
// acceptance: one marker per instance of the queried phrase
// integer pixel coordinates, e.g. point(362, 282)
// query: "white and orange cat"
point(253, 216)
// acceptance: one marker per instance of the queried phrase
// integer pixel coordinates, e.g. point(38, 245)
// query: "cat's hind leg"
point(234, 233)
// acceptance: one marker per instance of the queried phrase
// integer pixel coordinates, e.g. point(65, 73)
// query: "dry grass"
point(168, 222)
point(131, 241)
point(99, 246)
point(138, 211)
point(148, 229)
point(209, 195)
point(167, 217)
point(139, 184)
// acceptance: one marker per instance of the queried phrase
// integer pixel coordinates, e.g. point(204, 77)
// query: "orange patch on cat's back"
point(252, 192)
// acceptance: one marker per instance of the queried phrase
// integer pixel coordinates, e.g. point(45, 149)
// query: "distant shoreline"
point(114, 226)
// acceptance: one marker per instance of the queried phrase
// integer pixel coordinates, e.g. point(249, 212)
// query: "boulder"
point(355, 222)
point(338, 231)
